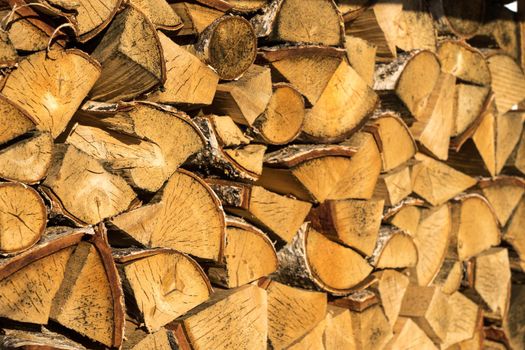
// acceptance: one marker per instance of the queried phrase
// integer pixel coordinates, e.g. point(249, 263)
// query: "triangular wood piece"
point(514, 231)
point(408, 335)
point(14, 121)
point(184, 215)
point(159, 13)
point(371, 329)
point(195, 17)
point(508, 81)
point(361, 55)
point(450, 276)
point(338, 329)
point(39, 83)
point(311, 340)
point(137, 338)
point(390, 287)
point(463, 318)
point(504, 194)
point(394, 186)
point(464, 61)
point(470, 100)
point(394, 249)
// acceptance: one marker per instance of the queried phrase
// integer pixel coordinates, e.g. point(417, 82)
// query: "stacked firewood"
point(251, 174)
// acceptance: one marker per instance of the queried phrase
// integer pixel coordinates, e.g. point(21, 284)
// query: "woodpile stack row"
point(252, 174)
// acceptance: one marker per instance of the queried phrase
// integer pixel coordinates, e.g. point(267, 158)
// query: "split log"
point(351, 8)
point(281, 215)
point(504, 194)
point(436, 182)
point(394, 186)
point(188, 79)
point(97, 194)
point(396, 142)
point(408, 335)
point(26, 31)
point(361, 55)
point(228, 45)
point(358, 300)
point(394, 249)
point(185, 215)
point(311, 260)
point(14, 121)
point(231, 319)
point(24, 340)
point(489, 279)
point(137, 339)
point(318, 173)
point(450, 276)
point(514, 231)
point(311, 340)
point(428, 308)
point(512, 324)
point(508, 81)
point(8, 55)
point(431, 240)
point(227, 132)
point(248, 255)
point(290, 21)
point(28, 160)
point(283, 118)
point(23, 217)
point(195, 17)
point(247, 6)
point(516, 161)
point(464, 62)
point(41, 267)
point(463, 318)
point(370, 327)
point(390, 287)
point(462, 20)
point(39, 83)
point(338, 329)
point(470, 102)
point(246, 98)
point(129, 143)
point(405, 216)
point(292, 312)
point(132, 60)
point(90, 300)
point(160, 284)
point(243, 163)
point(351, 222)
point(159, 13)
point(474, 226)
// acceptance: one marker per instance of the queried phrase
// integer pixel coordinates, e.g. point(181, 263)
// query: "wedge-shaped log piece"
point(132, 60)
point(431, 240)
point(42, 267)
point(352, 222)
point(14, 121)
point(313, 261)
point(228, 45)
point(474, 226)
point(292, 312)
point(82, 190)
point(159, 13)
point(28, 160)
point(428, 307)
point(514, 231)
point(462, 20)
point(463, 318)
point(464, 61)
point(508, 81)
point(188, 79)
point(390, 287)
point(51, 88)
point(394, 249)
point(338, 332)
point(195, 17)
point(504, 194)
point(307, 68)
point(281, 215)
point(318, 22)
point(245, 99)
point(161, 284)
point(516, 161)
point(231, 319)
point(397, 143)
point(450, 276)
point(360, 299)
point(130, 143)
point(23, 340)
point(469, 104)
point(405, 216)
point(512, 324)
point(248, 255)
point(371, 329)
point(318, 173)
point(25, 32)
point(185, 215)
point(227, 132)
point(408, 335)
point(404, 75)
point(341, 107)
point(311, 340)
point(361, 55)
point(394, 186)
point(90, 300)
point(247, 5)
point(490, 280)
point(23, 217)
point(243, 163)
point(137, 338)
point(8, 54)
point(283, 118)
point(92, 16)
point(436, 182)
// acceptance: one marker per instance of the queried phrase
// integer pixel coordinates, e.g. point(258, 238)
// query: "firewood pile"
point(251, 174)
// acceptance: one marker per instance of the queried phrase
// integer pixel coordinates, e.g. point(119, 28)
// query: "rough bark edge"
point(281, 52)
point(294, 155)
point(389, 213)
point(386, 233)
